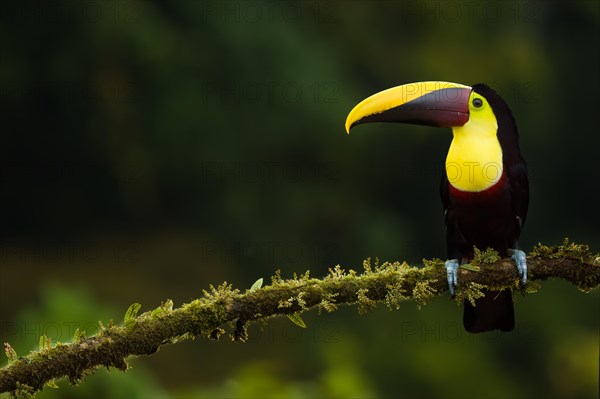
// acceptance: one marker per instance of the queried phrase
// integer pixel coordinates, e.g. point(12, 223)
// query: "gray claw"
point(521, 260)
point(451, 269)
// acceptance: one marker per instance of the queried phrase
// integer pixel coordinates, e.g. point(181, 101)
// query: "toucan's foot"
point(521, 260)
point(451, 269)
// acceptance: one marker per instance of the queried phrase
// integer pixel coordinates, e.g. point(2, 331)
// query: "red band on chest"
point(491, 191)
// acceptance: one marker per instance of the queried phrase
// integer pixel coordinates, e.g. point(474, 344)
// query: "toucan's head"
point(475, 158)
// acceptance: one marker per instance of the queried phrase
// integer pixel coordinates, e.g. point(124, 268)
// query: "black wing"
point(519, 189)
point(452, 235)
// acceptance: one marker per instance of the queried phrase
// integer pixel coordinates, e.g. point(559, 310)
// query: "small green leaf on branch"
point(473, 268)
point(45, 343)
point(11, 354)
point(79, 335)
point(51, 384)
point(131, 313)
point(296, 319)
point(257, 284)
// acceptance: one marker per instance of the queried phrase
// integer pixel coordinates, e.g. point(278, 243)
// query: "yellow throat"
point(474, 160)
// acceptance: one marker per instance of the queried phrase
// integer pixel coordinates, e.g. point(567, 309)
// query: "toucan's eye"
point(477, 103)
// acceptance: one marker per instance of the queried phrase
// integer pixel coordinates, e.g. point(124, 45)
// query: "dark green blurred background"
point(150, 149)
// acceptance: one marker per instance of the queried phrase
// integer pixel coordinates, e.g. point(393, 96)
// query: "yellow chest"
point(474, 161)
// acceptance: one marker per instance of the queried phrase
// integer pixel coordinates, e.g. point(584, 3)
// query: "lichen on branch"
point(224, 307)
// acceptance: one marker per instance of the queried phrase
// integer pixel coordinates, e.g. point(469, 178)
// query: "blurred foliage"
point(151, 148)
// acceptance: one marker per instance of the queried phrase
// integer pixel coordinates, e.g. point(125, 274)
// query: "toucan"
point(484, 187)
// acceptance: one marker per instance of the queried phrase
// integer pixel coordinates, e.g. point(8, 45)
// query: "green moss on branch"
point(223, 306)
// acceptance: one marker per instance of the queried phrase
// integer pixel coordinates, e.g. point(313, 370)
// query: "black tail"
point(495, 311)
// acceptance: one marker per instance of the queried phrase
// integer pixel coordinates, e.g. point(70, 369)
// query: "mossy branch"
point(222, 307)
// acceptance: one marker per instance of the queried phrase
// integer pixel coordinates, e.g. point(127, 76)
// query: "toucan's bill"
point(433, 103)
